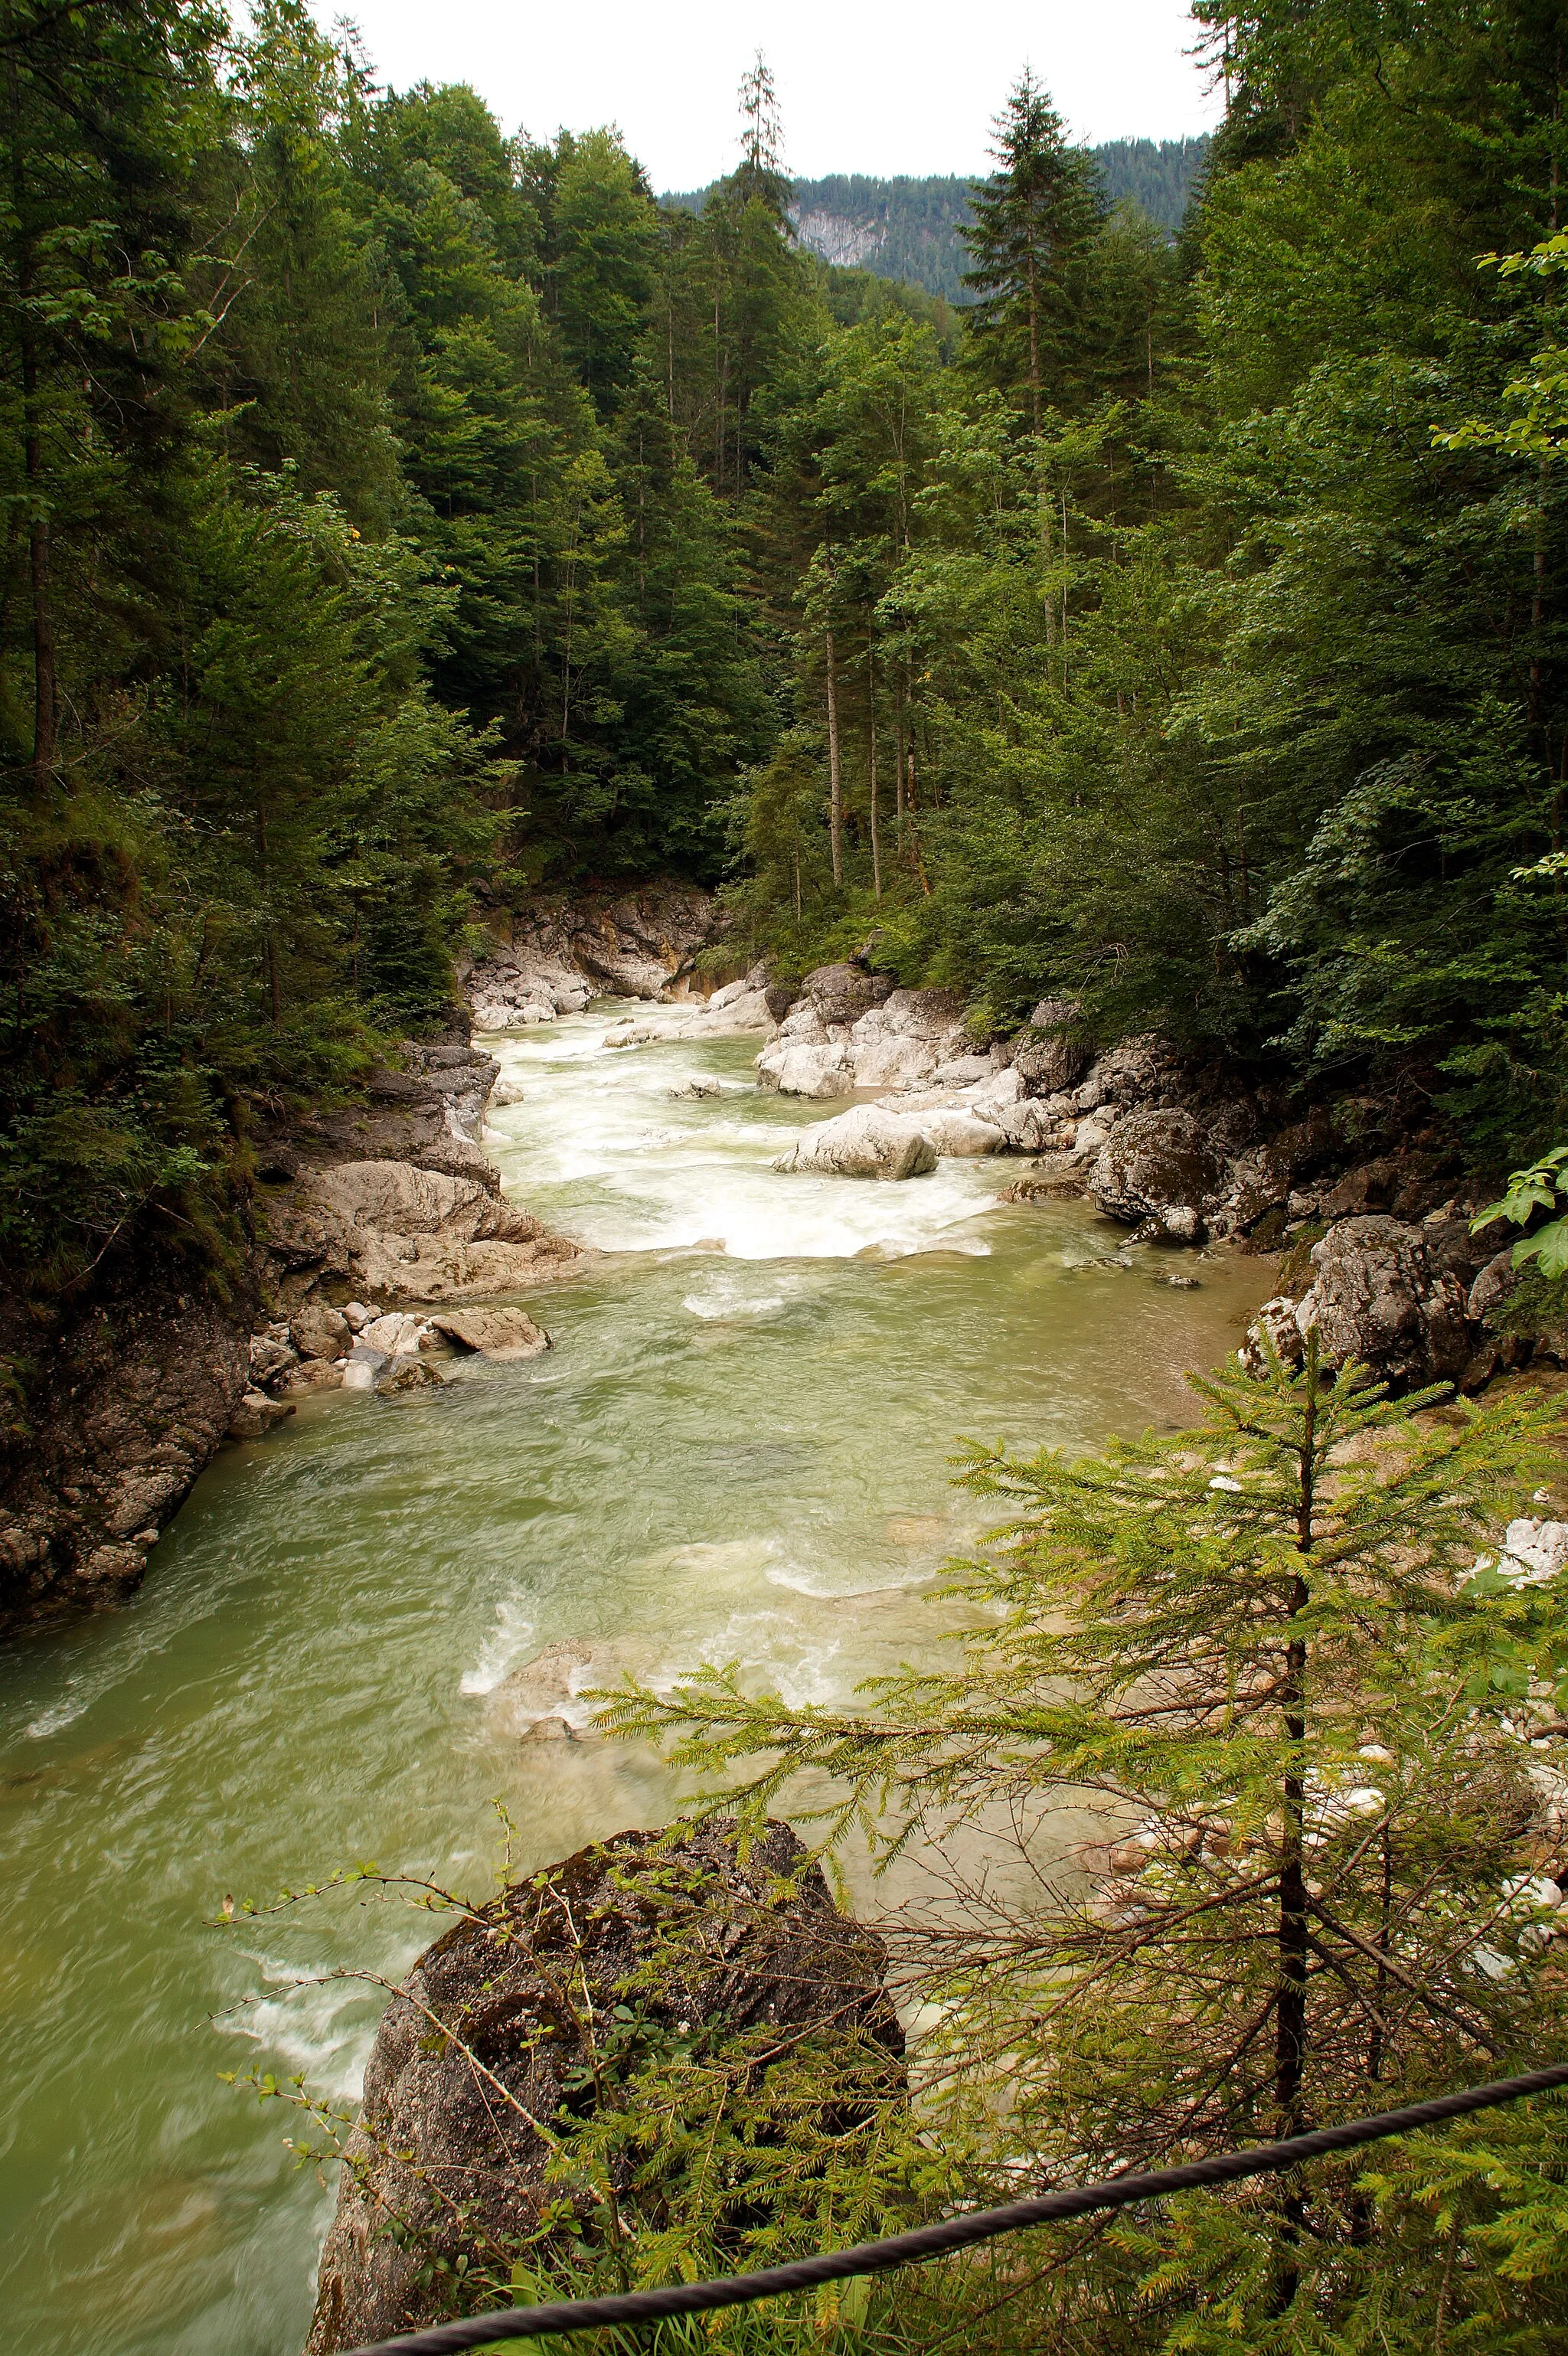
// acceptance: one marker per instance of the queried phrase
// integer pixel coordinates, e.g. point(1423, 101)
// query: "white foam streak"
point(508, 1643)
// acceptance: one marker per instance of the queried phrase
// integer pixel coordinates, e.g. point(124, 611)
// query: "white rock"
point(867, 1141)
point(395, 1334)
point(807, 1070)
point(1533, 1552)
point(738, 1015)
point(962, 1135)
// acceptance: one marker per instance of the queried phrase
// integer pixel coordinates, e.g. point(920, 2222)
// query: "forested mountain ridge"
point(911, 229)
point(402, 515)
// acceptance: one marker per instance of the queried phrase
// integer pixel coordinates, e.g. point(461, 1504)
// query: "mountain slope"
point(907, 228)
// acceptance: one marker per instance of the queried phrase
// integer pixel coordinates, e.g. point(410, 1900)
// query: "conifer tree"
point(1283, 1653)
point(1034, 221)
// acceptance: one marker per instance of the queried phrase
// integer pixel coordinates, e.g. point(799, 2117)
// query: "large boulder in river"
point(1157, 1167)
point(866, 1142)
point(446, 2171)
point(806, 1067)
point(494, 1333)
point(906, 1040)
point(1380, 1294)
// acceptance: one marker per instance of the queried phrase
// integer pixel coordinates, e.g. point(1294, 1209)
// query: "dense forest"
point(402, 517)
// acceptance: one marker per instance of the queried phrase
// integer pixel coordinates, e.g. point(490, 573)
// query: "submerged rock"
point(866, 1142)
point(406, 1373)
point(707, 1943)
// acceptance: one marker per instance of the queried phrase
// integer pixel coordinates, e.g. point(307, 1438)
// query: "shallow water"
point(736, 1451)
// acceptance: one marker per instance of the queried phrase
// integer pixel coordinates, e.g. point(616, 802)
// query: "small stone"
point(255, 1415)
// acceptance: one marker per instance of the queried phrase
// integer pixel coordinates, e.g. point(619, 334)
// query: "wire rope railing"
point(640, 2306)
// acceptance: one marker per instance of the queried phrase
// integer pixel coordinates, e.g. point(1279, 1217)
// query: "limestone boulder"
point(798, 1068)
point(403, 1233)
point(869, 1141)
point(840, 994)
point(394, 1334)
point(255, 1415)
point(1046, 1055)
point(1159, 1168)
point(1491, 1289)
point(1140, 1071)
point(446, 2160)
point(961, 1135)
point(319, 1331)
point(269, 1358)
point(1378, 1295)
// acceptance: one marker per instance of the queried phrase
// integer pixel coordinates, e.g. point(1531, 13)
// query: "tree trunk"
point(37, 532)
point(899, 765)
point(876, 841)
point(1290, 1993)
point(835, 771)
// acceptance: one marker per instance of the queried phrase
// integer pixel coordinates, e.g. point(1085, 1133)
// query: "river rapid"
point(736, 1451)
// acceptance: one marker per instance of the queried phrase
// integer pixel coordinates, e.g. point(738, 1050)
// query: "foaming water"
point(736, 1451)
point(604, 1142)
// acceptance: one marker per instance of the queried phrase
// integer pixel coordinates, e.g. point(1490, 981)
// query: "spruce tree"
point(1034, 221)
point(1317, 1715)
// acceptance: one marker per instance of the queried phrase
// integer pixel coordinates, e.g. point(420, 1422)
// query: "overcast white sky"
point(864, 87)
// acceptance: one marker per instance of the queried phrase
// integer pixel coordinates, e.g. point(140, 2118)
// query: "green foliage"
point(1538, 1188)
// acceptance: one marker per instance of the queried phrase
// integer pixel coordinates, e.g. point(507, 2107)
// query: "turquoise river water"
point(736, 1451)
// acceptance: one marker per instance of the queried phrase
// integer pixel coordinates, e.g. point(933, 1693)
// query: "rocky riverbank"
point(1367, 1207)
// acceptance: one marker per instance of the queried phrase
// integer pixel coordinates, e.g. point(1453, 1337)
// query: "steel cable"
point(954, 2232)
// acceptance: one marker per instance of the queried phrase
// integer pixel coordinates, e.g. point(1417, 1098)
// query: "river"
point(737, 1449)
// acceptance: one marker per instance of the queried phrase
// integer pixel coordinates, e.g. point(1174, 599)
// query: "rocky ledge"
point(642, 944)
point(381, 1243)
point(444, 2172)
point(385, 1241)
